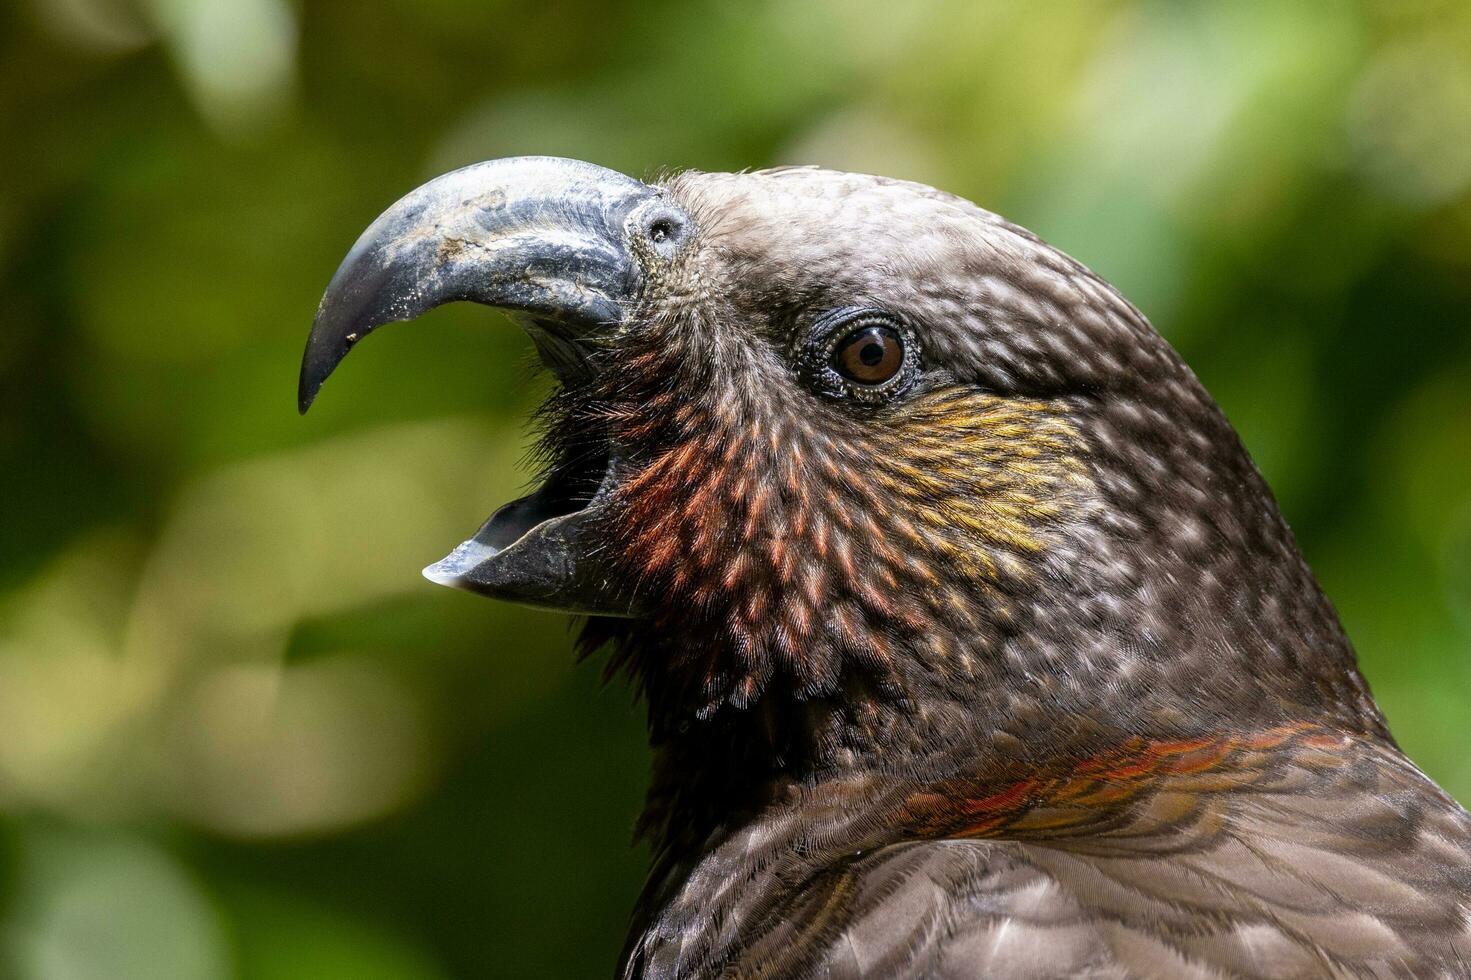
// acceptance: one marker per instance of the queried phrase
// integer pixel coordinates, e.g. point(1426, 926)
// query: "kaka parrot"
point(973, 642)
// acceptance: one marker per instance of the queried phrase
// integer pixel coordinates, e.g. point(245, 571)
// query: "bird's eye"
point(859, 354)
point(870, 355)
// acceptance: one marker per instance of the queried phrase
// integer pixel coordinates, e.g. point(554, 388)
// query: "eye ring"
point(859, 354)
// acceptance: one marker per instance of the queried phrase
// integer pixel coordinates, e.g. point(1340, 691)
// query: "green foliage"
point(243, 738)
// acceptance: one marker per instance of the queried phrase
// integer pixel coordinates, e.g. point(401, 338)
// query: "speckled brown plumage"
point(974, 644)
point(1020, 674)
point(810, 540)
point(1297, 851)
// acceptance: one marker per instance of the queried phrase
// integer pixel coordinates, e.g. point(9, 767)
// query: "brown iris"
point(869, 355)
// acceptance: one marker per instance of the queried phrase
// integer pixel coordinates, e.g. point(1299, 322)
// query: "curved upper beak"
point(540, 236)
point(545, 238)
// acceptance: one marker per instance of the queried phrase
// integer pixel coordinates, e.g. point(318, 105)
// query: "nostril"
point(661, 226)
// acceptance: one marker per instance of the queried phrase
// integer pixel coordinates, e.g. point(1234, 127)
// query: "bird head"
point(819, 433)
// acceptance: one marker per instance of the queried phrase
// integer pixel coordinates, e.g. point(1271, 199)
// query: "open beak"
point(549, 240)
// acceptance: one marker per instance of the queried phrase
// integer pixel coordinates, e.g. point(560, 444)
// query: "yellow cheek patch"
point(977, 473)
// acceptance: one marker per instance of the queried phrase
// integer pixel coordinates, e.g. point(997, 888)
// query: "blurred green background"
point(241, 737)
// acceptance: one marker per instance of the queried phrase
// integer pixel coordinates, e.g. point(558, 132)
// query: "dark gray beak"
point(550, 240)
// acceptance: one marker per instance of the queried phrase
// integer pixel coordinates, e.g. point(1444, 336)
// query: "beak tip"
point(305, 394)
point(453, 569)
point(317, 363)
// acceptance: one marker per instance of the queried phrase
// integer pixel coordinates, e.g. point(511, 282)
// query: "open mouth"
point(570, 488)
point(536, 550)
point(547, 240)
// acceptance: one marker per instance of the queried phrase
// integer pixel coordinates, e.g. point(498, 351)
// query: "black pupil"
point(872, 353)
